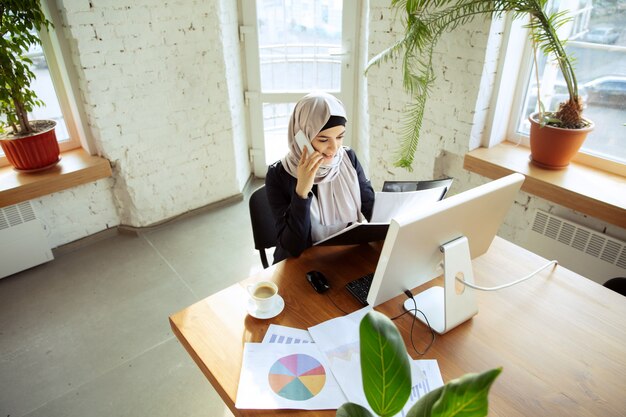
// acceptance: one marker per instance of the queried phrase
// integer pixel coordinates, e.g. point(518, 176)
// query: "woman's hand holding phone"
point(307, 168)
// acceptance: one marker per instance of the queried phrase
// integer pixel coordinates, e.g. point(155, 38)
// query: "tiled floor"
point(87, 334)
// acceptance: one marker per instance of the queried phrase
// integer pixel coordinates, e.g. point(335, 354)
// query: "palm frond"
point(389, 54)
point(426, 20)
point(410, 135)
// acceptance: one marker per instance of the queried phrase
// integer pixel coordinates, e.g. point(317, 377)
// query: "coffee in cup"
point(264, 291)
point(264, 294)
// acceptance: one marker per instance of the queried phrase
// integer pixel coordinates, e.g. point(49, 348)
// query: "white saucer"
point(273, 312)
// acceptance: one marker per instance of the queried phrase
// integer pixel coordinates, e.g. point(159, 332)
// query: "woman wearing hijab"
point(313, 196)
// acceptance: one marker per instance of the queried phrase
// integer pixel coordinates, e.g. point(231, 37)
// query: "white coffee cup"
point(264, 294)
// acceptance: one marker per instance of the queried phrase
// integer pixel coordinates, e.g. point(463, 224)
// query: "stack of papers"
point(316, 369)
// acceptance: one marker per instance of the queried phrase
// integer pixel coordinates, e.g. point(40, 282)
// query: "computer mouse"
point(318, 281)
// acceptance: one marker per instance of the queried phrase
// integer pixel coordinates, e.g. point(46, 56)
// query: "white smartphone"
point(302, 141)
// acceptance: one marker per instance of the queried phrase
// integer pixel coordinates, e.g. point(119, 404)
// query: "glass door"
point(293, 47)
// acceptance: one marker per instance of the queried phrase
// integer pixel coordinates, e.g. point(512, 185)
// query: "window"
point(50, 85)
point(292, 48)
point(597, 42)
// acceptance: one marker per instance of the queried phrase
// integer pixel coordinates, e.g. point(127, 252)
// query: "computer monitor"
point(454, 230)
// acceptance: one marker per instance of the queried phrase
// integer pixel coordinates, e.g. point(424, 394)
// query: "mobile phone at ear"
point(303, 142)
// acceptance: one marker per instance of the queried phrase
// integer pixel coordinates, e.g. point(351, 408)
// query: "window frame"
point(64, 82)
point(348, 56)
point(509, 91)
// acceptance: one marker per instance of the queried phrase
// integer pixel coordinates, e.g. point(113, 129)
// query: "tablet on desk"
point(356, 234)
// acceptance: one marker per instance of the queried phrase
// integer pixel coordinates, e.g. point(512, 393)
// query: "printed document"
point(287, 335)
point(286, 376)
point(338, 340)
point(317, 369)
point(388, 205)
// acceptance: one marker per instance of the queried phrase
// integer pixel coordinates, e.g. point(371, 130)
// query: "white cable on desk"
point(499, 287)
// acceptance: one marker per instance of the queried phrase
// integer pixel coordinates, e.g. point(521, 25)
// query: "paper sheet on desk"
point(287, 335)
point(338, 340)
point(388, 205)
point(286, 376)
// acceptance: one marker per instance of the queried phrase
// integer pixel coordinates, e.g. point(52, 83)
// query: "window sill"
point(76, 167)
point(579, 187)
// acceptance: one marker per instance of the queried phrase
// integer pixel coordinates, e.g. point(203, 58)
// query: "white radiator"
point(592, 254)
point(23, 243)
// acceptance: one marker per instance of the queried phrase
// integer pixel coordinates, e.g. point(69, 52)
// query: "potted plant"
point(386, 374)
point(426, 20)
point(28, 144)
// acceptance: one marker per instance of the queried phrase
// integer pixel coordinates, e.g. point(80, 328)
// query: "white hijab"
point(338, 192)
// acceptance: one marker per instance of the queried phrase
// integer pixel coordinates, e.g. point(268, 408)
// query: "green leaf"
point(423, 407)
point(384, 365)
point(463, 397)
point(352, 410)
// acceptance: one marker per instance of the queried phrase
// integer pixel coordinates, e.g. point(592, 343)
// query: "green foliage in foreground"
point(387, 384)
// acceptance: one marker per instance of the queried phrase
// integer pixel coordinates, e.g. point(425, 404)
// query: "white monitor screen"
point(411, 254)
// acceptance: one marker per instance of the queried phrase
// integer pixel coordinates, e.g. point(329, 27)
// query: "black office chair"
point(617, 284)
point(401, 186)
point(263, 228)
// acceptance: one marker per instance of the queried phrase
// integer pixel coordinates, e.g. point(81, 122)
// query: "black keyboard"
point(360, 287)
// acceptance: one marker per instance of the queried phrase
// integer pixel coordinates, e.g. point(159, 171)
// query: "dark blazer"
point(292, 214)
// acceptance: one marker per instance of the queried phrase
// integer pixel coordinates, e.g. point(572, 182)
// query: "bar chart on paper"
point(297, 377)
point(275, 338)
point(426, 377)
point(286, 335)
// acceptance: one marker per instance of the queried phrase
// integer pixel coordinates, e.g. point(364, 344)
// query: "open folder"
point(387, 205)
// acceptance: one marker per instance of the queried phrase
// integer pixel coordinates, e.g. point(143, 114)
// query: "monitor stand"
point(448, 306)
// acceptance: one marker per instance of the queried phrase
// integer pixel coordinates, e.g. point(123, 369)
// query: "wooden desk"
point(560, 337)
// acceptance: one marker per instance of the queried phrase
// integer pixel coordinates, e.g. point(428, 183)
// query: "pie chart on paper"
point(297, 377)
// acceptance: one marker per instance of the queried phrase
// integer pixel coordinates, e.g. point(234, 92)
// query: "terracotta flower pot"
point(554, 147)
point(32, 153)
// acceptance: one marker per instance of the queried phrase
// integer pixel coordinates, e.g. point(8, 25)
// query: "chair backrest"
point(617, 284)
point(263, 227)
point(401, 186)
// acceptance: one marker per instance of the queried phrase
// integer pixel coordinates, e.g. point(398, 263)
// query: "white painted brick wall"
point(78, 212)
point(455, 119)
point(360, 123)
point(229, 35)
point(159, 103)
point(156, 80)
point(450, 109)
